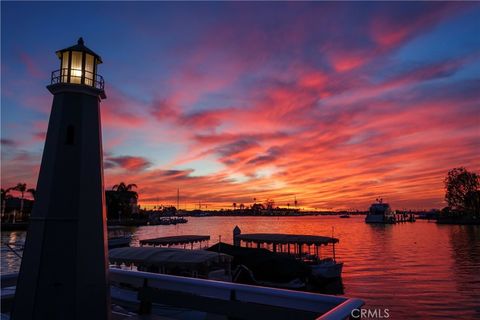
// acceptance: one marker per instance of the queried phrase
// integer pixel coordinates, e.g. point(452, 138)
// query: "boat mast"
point(178, 199)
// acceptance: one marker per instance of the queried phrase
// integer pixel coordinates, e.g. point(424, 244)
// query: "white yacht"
point(380, 212)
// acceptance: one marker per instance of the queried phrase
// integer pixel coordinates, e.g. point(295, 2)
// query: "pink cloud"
point(127, 162)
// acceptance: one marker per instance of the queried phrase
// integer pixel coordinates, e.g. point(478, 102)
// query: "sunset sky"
point(335, 104)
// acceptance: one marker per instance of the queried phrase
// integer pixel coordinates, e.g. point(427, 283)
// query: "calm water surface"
point(417, 270)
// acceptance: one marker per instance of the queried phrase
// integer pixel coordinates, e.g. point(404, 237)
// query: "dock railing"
point(230, 299)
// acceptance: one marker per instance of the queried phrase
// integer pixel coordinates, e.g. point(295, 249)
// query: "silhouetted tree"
point(234, 206)
point(21, 187)
point(124, 187)
point(33, 192)
point(257, 208)
point(462, 191)
point(270, 204)
point(4, 197)
point(119, 200)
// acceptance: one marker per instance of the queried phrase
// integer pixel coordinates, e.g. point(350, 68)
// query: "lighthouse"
point(64, 270)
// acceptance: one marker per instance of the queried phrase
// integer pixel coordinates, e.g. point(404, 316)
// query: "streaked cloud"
point(318, 101)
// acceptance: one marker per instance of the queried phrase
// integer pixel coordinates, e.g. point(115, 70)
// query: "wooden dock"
point(404, 217)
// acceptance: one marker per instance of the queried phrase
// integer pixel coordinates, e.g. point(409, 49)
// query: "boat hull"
point(377, 218)
point(328, 270)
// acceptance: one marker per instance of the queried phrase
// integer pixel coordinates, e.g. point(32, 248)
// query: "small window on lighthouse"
point(70, 135)
point(76, 68)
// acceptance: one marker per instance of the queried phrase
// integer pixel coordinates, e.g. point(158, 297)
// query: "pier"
point(404, 217)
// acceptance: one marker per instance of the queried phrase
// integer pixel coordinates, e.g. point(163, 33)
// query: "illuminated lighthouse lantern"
point(64, 271)
point(78, 65)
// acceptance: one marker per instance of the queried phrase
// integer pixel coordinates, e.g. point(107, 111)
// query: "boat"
point(294, 284)
point(119, 242)
point(345, 216)
point(327, 269)
point(380, 212)
point(304, 248)
point(264, 268)
point(183, 240)
point(179, 262)
point(118, 237)
point(167, 221)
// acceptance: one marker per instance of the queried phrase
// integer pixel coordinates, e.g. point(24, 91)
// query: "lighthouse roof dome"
point(80, 46)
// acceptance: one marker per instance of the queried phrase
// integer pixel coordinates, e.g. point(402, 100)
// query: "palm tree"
point(4, 197)
point(121, 187)
point(21, 187)
point(234, 205)
point(124, 193)
point(33, 192)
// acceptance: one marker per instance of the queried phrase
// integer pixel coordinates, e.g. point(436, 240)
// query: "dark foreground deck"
point(123, 316)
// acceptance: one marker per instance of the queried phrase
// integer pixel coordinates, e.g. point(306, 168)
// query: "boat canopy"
point(166, 257)
point(174, 240)
point(280, 238)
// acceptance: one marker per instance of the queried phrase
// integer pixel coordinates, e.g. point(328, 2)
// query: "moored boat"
point(327, 269)
point(304, 248)
point(263, 267)
point(118, 237)
point(380, 212)
point(180, 262)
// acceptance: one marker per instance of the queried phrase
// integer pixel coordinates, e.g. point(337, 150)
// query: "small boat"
point(380, 212)
point(118, 237)
point(345, 216)
point(119, 242)
point(179, 262)
point(198, 241)
point(327, 269)
point(166, 221)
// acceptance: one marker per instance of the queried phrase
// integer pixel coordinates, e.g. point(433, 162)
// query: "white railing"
point(324, 307)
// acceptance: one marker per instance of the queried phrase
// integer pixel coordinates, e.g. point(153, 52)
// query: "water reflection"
point(13, 240)
point(465, 243)
point(418, 270)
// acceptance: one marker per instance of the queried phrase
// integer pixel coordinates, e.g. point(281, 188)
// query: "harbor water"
point(418, 270)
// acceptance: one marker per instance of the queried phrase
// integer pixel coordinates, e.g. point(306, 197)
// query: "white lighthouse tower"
point(64, 271)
